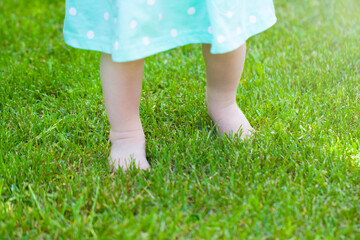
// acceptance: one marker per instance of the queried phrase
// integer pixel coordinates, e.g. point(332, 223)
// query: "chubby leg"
point(121, 84)
point(223, 73)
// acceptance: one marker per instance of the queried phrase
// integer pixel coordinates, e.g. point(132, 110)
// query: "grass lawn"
point(298, 179)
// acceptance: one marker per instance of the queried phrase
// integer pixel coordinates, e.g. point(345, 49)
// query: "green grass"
point(299, 178)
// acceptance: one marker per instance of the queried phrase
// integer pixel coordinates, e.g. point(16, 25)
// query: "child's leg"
point(223, 75)
point(121, 83)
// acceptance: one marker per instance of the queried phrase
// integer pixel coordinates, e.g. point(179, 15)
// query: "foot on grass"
point(127, 148)
point(230, 120)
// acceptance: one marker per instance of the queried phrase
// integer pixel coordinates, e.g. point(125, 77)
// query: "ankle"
point(217, 100)
point(133, 134)
point(216, 108)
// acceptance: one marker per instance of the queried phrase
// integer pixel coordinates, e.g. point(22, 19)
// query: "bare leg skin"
point(223, 73)
point(121, 84)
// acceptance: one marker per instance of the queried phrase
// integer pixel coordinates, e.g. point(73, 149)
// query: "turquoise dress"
point(134, 29)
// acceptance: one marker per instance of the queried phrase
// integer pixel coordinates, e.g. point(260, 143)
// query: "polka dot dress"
point(134, 29)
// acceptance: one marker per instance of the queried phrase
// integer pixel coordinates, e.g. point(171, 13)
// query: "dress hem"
point(132, 53)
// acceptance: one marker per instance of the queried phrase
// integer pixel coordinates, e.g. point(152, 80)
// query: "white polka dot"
point(160, 17)
point(238, 30)
point(116, 45)
point(253, 19)
point(220, 39)
point(106, 16)
point(72, 11)
point(146, 41)
point(90, 34)
point(210, 30)
point(150, 2)
point(133, 24)
point(229, 14)
point(174, 32)
point(115, 20)
point(191, 11)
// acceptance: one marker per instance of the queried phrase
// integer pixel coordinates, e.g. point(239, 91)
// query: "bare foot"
point(128, 148)
point(230, 120)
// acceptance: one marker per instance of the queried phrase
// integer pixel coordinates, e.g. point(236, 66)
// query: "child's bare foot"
point(229, 119)
point(127, 148)
point(223, 73)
